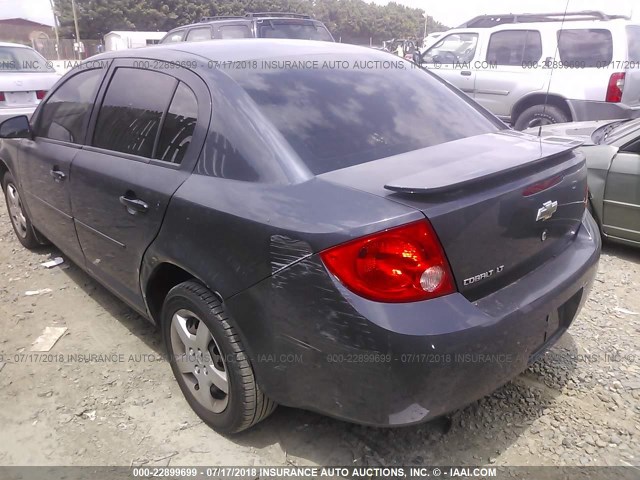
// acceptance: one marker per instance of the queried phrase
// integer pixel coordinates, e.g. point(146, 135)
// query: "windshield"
point(22, 59)
point(291, 29)
point(337, 112)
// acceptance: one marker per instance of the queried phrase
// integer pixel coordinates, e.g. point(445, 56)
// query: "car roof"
point(549, 26)
point(246, 19)
point(246, 49)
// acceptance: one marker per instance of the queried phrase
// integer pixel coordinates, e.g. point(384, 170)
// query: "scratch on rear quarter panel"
point(341, 324)
point(285, 251)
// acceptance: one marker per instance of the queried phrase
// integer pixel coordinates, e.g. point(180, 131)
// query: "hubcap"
point(200, 361)
point(15, 211)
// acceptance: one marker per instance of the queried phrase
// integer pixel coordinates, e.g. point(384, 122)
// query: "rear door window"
point(178, 126)
point(585, 47)
point(65, 115)
point(633, 41)
point(234, 31)
point(199, 34)
point(132, 110)
point(515, 47)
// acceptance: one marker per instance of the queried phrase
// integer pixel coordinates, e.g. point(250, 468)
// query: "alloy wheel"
point(200, 360)
point(15, 210)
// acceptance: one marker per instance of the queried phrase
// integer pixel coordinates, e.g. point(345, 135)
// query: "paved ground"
point(580, 405)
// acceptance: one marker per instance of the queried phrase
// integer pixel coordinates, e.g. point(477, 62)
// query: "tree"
point(353, 21)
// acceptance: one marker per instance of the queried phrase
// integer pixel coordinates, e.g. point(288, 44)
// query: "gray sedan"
point(612, 148)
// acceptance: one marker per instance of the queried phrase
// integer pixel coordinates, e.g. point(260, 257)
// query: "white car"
point(536, 69)
point(25, 78)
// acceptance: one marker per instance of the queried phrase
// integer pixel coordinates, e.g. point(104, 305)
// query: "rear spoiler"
point(438, 179)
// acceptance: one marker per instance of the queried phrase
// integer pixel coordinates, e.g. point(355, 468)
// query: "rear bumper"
point(6, 113)
point(315, 345)
point(585, 110)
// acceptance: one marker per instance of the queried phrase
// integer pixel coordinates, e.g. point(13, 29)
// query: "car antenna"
point(555, 55)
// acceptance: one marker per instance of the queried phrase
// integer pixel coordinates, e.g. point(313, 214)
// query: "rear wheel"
point(19, 218)
point(540, 115)
point(209, 361)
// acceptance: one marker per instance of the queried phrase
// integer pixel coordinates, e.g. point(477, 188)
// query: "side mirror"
point(16, 127)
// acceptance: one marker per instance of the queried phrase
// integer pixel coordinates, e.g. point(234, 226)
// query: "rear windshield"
point(291, 29)
point(633, 41)
point(585, 47)
point(18, 59)
point(344, 111)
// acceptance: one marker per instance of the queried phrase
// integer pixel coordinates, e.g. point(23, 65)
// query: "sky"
point(455, 12)
point(449, 12)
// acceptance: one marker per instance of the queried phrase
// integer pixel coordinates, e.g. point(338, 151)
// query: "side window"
point(587, 47)
point(131, 111)
point(66, 113)
point(454, 48)
point(515, 47)
point(199, 34)
point(174, 37)
point(178, 126)
point(234, 31)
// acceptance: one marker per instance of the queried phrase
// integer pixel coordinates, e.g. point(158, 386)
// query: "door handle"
point(465, 73)
point(57, 175)
point(134, 205)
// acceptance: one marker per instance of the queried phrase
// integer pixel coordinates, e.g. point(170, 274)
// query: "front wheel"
point(540, 115)
point(209, 361)
point(19, 218)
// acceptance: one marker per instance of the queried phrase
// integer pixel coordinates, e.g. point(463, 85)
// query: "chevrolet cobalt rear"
point(319, 225)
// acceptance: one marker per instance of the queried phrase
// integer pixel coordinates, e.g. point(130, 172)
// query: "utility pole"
point(426, 17)
point(55, 28)
point(75, 22)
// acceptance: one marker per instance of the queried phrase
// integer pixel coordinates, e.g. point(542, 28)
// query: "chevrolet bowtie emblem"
point(547, 210)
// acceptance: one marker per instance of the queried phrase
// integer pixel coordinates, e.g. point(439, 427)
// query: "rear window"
point(586, 47)
point(289, 29)
point(19, 59)
point(633, 41)
point(339, 117)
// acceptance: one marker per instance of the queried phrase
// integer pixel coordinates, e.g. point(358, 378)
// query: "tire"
point(188, 308)
point(540, 115)
point(20, 220)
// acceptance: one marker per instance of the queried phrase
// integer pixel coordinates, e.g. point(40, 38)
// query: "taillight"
point(403, 264)
point(542, 186)
point(40, 94)
point(2, 97)
point(615, 87)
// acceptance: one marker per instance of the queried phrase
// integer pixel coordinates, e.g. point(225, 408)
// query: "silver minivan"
point(537, 69)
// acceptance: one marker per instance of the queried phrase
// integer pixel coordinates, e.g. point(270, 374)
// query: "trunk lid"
point(501, 203)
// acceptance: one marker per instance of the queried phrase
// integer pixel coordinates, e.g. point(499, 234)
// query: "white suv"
point(535, 69)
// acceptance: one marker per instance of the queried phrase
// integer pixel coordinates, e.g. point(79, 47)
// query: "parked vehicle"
point(584, 66)
point(25, 78)
point(612, 149)
point(252, 25)
point(308, 237)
